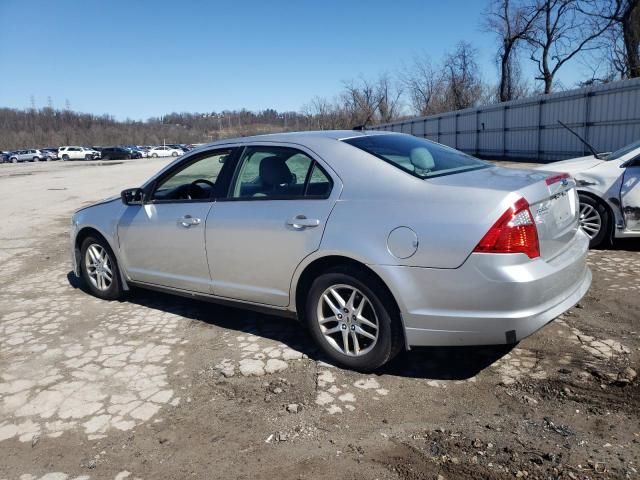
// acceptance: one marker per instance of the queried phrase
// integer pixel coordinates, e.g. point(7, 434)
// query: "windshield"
point(623, 151)
point(417, 156)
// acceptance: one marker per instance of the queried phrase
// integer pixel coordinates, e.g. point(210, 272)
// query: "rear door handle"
point(188, 221)
point(300, 222)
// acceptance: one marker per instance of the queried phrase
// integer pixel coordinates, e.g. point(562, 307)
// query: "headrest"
point(274, 171)
point(422, 159)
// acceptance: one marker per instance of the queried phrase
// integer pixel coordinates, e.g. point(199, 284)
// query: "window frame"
point(223, 178)
point(314, 162)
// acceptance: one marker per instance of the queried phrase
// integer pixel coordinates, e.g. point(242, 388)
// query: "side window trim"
point(239, 158)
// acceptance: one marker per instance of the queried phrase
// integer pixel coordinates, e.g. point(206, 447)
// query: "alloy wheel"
point(347, 320)
point(590, 220)
point(99, 267)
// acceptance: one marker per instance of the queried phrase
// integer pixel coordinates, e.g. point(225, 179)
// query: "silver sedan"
point(375, 241)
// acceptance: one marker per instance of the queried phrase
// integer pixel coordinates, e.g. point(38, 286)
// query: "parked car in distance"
point(118, 153)
point(31, 155)
point(609, 190)
point(434, 248)
point(164, 151)
point(136, 152)
point(50, 154)
point(77, 153)
point(4, 156)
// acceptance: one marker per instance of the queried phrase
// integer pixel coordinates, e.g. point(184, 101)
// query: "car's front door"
point(630, 194)
point(163, 241)
point(273, 217)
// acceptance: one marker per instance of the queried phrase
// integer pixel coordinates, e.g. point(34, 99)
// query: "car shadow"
point(626, 245)
point(431, 363)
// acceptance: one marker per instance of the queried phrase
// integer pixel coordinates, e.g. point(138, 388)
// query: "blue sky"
point(144, 58)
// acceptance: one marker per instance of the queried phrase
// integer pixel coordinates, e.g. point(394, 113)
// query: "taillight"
point(514, 232)
point(556, 178)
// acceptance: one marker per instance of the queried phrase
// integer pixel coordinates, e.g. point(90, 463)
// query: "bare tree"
point(560, 32)
point(461, 77)
point(512, 21)
point(422, 83)
point(388, 95)
point(621, 43)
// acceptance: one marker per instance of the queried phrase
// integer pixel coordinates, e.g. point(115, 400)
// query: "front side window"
point(279, 173)
point(418, 156)
point(198, 180)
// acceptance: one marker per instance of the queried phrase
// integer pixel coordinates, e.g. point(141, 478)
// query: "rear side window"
point(417, 156)
point(279, 173)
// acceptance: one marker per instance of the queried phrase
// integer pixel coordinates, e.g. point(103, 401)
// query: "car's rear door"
point(273, 217)
point(630, 194)
point(162, 242)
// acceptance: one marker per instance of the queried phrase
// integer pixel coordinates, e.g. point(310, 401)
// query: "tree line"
point(604, 35)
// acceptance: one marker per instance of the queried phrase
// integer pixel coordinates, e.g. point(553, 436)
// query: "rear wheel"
point(595, 221)
point(352, 317)
point(99, 269)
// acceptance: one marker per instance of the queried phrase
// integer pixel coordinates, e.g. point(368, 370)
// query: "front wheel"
point(65, 158)
point(154, 155)
point(595, 221)
point(99, 269)
point(14, 160)
point(174, 154)
point(352, 317)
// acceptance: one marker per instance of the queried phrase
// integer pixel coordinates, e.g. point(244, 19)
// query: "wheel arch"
point(87, 231)
point(607, 206)
point(309, 272)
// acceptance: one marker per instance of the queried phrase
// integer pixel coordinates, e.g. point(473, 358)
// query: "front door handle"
point(300, 222)
point(188, 221)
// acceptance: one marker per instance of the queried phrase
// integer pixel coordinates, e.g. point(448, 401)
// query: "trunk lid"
point(553, 203)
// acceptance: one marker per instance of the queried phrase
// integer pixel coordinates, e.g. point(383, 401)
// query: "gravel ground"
point(160, 387)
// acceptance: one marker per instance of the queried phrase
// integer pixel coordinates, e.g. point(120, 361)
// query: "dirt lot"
point(160, 387)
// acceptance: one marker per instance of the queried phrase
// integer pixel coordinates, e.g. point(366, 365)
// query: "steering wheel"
point(194, 191)
point(202, 180)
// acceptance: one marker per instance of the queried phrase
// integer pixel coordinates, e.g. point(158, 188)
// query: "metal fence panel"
point(608, 116)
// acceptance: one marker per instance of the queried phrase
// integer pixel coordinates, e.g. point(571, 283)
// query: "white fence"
point(607, 116)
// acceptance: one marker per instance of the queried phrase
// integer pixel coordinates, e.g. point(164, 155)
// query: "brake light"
point(556, 178)
point(514, 232)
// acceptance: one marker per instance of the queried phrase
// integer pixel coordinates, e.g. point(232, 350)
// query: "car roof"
point(300, 137)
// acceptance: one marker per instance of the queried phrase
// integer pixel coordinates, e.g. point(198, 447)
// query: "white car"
point(609, 191)
point(164, 152)
point(77, 153)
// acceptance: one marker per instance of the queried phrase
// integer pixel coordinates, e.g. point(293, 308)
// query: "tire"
point(154, 155)
point(48, 159)
point(106, 157)
point(35, 159)
point(595, 221)
point(65, 158)
point(379, 309)
point(127, 157)
point(88, 157)
point(101, 288)
point(14, 160)
point(174, 154)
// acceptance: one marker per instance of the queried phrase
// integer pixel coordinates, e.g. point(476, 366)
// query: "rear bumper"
point(491, 299)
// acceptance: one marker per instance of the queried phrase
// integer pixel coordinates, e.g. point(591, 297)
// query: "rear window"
point(417, 156)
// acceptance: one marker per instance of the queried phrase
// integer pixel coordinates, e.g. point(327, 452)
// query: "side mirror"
point(132, 196)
